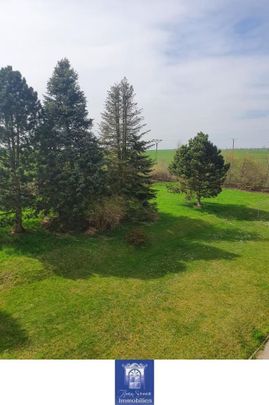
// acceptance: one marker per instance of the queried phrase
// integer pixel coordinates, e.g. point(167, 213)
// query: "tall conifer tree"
point(19, 113)
point(70, 160)
point(122, 134)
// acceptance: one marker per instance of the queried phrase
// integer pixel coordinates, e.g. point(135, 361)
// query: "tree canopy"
point(51, 161)
point(200, 168)
point(70, 159)
point(122, 135)
point(19, 116)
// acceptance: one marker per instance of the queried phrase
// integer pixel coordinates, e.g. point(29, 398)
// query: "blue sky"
point(195, 65)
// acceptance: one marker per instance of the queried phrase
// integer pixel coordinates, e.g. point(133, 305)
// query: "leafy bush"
point(107, 214)
point(136, 237)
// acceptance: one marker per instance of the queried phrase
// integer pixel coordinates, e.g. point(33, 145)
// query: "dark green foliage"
point(19, 113)
point(200, 168)
point(141, 213)
point(70, 160)
point(122, 131)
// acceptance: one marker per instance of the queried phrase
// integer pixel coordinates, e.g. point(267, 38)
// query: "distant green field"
point(164, 156)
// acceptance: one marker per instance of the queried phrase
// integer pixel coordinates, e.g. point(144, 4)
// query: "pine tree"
point(19, 114)
point(122, 130)
point(200, 168)
point(70, 159)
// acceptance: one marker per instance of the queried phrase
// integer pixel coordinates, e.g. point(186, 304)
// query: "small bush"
point(136, 237)
point(247, 174)
point(253, 175)
point(160, 172)
point(107, 214)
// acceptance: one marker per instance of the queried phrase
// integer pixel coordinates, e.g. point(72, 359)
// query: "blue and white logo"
point(134, 382)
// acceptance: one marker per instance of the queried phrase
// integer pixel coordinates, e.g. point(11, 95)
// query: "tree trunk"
point(18, 228)
point(198, 202)
point(14, 159)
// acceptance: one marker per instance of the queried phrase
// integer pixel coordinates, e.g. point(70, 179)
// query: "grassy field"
point(164, 156)
point(199, 289)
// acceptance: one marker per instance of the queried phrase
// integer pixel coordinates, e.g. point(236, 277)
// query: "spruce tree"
point(19, 114)
point(70, 159)
point(200, 168)
point(122, 130)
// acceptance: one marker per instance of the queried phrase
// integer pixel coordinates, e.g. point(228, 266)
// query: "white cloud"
point(188, 72)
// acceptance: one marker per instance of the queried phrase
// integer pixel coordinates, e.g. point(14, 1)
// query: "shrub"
point(160, 172)
point(136, 237)
point(253, 175)
point(247, 174)
point(107, 214)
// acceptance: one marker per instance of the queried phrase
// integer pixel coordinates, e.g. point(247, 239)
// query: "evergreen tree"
point(70, 159)
point(122, 130)
point(19, 113)
point(200, 168)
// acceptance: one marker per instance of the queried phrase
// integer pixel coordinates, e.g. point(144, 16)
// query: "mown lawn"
point(199, 289)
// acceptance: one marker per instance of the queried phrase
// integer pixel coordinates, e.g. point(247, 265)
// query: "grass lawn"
point(200, 289)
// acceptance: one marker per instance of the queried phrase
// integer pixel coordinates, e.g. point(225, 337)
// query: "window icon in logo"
point(135, 379)
point(135, 375)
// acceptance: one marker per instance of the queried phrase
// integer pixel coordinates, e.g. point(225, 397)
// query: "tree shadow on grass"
point(199, 229)
point(238, 212)
point(128, 263)
point(174, 241)
point(12, 336)
point(33, 242)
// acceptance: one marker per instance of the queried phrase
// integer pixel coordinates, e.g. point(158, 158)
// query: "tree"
point(200, 168)
point(19, 114)
point(122, 130)
point(70, 159)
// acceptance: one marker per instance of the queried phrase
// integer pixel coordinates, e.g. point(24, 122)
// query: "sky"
point(196, 65)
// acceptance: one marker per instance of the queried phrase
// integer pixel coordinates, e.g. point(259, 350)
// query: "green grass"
point(164, 156)
point(199, 289)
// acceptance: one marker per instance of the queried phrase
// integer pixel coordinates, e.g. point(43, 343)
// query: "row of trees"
point(50, 159)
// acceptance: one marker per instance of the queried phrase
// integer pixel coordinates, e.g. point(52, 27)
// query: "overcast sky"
point(196, 65)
